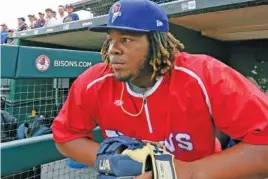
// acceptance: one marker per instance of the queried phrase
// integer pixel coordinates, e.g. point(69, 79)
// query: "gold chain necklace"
point(122, 107)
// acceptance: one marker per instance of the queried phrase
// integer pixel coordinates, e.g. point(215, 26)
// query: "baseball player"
point(147, 89)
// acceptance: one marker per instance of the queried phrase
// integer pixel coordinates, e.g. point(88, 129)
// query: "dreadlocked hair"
point(163, 50)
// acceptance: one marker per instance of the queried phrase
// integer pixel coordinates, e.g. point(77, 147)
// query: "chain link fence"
point(28, 107)
point(54, 170)
point(30, 104)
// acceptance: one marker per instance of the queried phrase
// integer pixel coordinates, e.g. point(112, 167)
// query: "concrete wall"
point(194, 42)
point(251, 59)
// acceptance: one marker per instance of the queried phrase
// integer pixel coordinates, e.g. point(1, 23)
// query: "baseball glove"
point(124, 158)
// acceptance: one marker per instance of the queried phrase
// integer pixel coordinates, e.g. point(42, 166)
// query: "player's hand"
point(117, 153)
point(184, 170)
point(147, 175)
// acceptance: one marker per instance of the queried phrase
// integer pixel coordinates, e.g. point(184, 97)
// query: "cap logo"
point(116, 11)
point(159, 23)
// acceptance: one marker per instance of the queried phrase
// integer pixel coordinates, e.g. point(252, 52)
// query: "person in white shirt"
point(61, 13)
point(33, 21)
point(50, 20)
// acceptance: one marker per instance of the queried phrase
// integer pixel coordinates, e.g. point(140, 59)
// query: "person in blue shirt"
point(71, 15)
point(41, 21)
point(4, 33)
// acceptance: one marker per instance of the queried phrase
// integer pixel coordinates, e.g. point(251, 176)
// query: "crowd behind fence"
point(48, 17)
point(63, 14)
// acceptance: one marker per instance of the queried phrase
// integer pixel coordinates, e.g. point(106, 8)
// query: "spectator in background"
point(54, 14)
point(33, 21)
point(10, 37)
point(41, 21)
point(71, 15)
point(50, 20)
point(61, 12)
point(21, 24)
point(4, 33)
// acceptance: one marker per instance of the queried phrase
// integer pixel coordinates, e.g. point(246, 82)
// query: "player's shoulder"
point(196, 64)
point(98, 73)
point(193, 61)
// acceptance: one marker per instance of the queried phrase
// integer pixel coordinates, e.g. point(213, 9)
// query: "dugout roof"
point(225, 20)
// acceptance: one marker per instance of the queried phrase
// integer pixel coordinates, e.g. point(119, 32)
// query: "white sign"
point(79, 64)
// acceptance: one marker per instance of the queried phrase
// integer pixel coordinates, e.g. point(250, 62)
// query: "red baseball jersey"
point(184, 109)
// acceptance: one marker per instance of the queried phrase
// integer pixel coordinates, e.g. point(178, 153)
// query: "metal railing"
point(38, 157)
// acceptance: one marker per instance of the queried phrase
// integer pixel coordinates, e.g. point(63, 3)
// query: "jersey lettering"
point(169, 144)
point(112, 133)
point(182, 140)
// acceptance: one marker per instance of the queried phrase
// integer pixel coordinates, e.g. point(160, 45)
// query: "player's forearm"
point(85, 154)
point(243, 161)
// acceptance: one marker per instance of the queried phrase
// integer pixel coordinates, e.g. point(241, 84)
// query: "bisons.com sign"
point(79, 64)
point(54, 63)
point(43, 63)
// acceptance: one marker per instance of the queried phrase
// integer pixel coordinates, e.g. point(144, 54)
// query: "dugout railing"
point(38, 157)
point(34, 85)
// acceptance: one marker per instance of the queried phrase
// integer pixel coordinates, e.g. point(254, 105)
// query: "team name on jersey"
point(180, 140)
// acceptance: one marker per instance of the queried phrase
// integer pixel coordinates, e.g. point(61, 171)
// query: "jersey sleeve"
point(79, 114)
point(238, 107)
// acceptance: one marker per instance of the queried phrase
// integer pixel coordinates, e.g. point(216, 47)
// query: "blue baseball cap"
point(135, 15)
